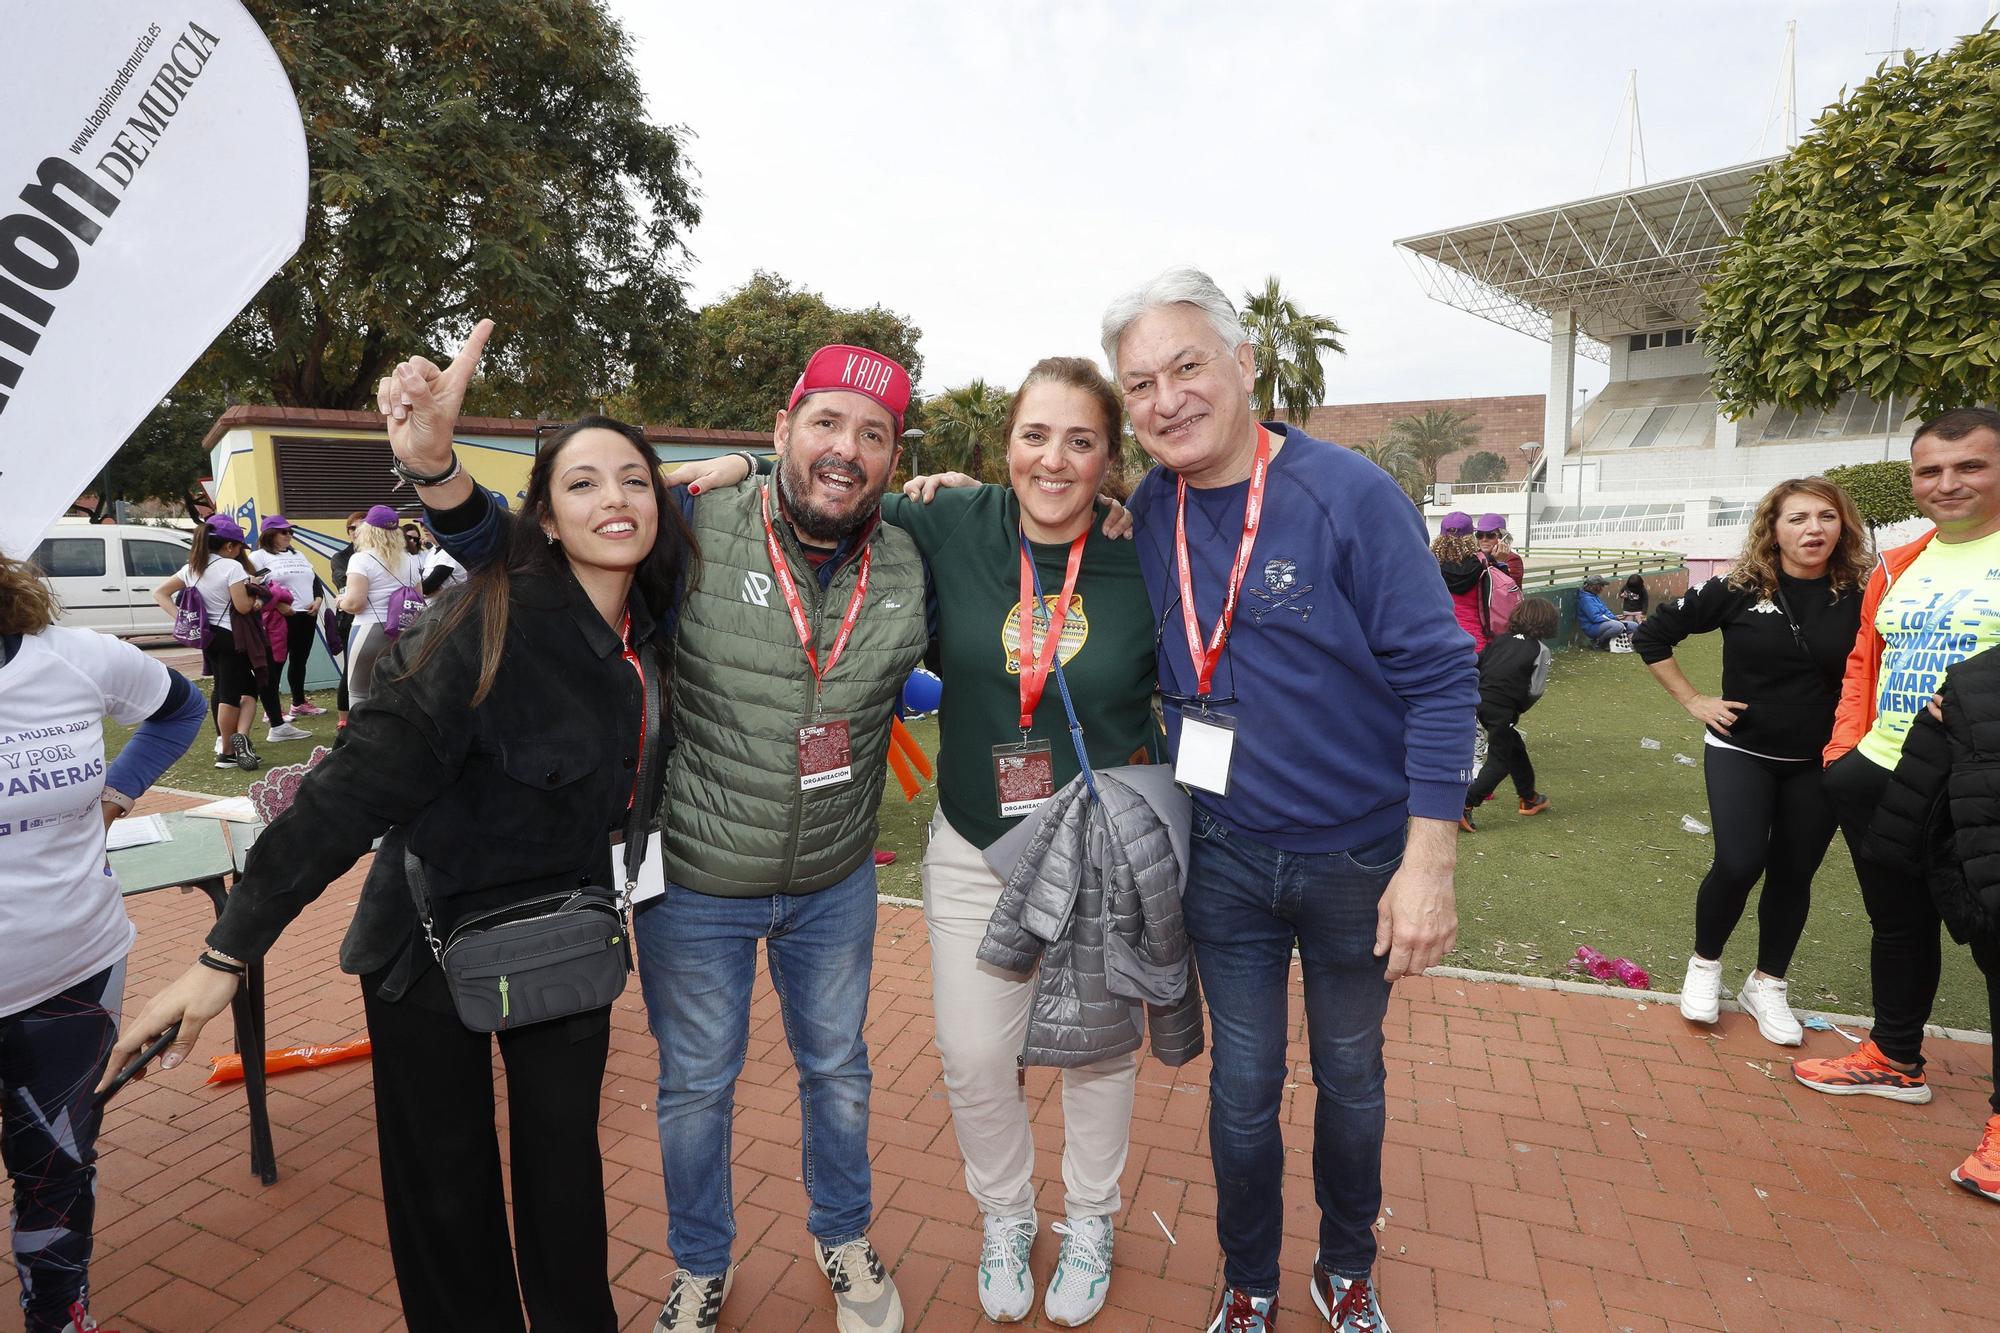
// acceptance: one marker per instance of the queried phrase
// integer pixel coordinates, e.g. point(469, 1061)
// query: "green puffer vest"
point(737, 825)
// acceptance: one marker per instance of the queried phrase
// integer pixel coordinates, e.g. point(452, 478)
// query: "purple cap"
point(1456, 521)
point(222, 528)
point(1487, 523)
point(381, 516)
point(277, 523)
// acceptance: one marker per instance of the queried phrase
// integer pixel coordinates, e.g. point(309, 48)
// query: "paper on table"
point(136, 831)
point(237, 809)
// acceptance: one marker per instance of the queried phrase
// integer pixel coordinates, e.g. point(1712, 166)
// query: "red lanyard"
point(631, 654)
point(1205, 659)
point(783, 569)
point(1035, 666)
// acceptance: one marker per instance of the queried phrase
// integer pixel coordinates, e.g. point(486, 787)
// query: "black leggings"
point(236, 679)
point(298, 651)
point(1772, 819)
point(1905, 955)
point(1506, 756)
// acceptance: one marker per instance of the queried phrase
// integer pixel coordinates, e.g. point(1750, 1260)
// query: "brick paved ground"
point(1555, 1161)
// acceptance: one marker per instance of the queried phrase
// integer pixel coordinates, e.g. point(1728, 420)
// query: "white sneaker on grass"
point(1701, 990)
point(1766, 999)
point(1083, 1271)
point(1006, 1287)
point(287, 732)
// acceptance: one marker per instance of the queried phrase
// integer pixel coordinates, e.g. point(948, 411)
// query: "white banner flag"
point(152, 178)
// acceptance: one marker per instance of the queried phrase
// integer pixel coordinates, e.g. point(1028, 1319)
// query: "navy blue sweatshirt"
point(1355, 688)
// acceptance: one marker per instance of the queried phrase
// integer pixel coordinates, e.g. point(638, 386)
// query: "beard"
point(815, 522)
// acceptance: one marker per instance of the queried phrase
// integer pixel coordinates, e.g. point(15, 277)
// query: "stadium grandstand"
point(1651, 459)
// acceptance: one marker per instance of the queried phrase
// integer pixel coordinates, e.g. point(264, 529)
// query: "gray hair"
point(1177, 286)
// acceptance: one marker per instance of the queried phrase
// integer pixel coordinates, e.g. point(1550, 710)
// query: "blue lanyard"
point(1062, 685)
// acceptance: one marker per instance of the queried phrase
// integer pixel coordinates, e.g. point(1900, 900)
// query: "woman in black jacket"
point(1788, 613)
point(1513, 670)
point(511, 720)
point(1941, 811)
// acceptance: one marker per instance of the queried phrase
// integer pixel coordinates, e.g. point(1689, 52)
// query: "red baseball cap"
point(856, 370)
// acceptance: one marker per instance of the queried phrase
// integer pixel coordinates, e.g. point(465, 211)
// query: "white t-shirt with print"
point(290, 569)
point(408, 572)
point(215, 582)
point(61, 918)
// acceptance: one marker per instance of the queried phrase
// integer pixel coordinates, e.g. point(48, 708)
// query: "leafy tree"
point(1482, 468)
point(1429, 438)
point(1870, 259)
point(962, 431)
point(1880, 491)
point(464, 161)
point(1289, 344)
point(744, 352)
point(1404, 467)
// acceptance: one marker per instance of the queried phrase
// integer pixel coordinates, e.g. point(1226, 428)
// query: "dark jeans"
point(298, 652)
point(441, 1189)
point(51, 1056)
point(1905, 956)
point(1506, 756)
point(1772, 820)
point(1246, 905)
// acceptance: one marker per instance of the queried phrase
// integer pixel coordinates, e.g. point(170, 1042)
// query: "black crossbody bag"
point(558, 954)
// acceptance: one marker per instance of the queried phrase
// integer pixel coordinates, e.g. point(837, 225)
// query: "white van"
point(104, 573)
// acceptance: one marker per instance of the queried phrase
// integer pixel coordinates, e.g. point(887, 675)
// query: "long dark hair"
point(529, 551)
point(208, 547)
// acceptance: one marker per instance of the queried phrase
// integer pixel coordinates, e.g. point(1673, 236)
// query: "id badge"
point(1208, 740)
point(825, 758)
point(1024, 775)
point(652, 871)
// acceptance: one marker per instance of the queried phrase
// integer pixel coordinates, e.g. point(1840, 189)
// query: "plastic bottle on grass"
point(1594, 962)
point(1631, 974)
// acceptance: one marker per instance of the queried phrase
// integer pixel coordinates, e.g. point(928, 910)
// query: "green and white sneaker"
point(864, 1297)
point(1006, 1287)
point(1083, 1271)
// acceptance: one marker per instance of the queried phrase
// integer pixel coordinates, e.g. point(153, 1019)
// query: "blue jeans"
point(1246, 904)
point(697, 960)
point(1602, 633)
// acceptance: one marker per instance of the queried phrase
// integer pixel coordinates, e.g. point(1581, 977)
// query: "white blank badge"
point(1207, 742)
point(652, 874)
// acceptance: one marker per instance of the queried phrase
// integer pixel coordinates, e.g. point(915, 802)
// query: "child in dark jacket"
point(1513, 669)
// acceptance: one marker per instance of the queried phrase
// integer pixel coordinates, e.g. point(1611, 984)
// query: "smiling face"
point(1956, 483)
point(601, 505)
point(1188, 395)
point(1057, 456)
point(836, 449)
point(1807, 530)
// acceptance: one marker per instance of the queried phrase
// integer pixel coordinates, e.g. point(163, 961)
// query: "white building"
point(1651, 460)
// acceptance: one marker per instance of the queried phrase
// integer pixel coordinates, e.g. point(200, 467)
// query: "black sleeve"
point(436, 579)
point(1700, 611)
point(1462, 575)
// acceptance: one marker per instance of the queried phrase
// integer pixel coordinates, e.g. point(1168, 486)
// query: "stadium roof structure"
point(1624, 262)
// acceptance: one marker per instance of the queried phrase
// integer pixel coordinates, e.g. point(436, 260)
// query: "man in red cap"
point(793, 642)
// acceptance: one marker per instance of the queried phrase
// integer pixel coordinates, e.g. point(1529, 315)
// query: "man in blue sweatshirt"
point(1596, 619)
point(1319, 704)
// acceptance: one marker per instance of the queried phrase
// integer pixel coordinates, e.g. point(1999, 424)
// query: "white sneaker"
point(1765, 999)
point(287, 732)
point(1701, 990)
point(1006, 1287)
point(1083, 1271)
point(864, 1297)
point(694, 1304)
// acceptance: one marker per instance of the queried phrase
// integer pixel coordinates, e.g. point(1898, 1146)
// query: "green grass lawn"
point(1608, 865)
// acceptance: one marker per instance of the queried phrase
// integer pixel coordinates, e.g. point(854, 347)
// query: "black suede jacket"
point(515, 797)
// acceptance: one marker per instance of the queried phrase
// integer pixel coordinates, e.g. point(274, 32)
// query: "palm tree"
point(1289, 344)
point(962, 430)
point(1402, 466)
point(1434, 435)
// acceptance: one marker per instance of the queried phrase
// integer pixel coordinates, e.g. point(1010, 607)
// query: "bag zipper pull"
point(504, 1005)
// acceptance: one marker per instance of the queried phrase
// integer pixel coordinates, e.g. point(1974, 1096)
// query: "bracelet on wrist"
point(221, 963)
point(397, 466)
point(112, 796)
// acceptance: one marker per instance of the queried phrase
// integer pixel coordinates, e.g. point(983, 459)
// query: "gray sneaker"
point(864, 1299)
point(1006, 1287)
point(287, 732)
point(1083, 1271)
point(694, 1304)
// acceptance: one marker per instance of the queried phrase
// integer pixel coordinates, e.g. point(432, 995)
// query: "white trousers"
point(982, 1023)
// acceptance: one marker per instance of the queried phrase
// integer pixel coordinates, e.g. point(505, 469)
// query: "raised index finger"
point(468, 356)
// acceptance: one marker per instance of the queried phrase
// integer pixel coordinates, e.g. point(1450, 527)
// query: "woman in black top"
point(508, 722)
point(1633, 599)
point(1788, 614)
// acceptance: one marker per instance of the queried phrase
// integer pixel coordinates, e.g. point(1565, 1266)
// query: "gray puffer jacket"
point(1095, 896)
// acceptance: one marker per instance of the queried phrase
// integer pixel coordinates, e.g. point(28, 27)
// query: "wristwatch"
point(422, 479)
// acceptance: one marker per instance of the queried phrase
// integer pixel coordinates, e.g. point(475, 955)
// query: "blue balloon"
point(922, 692)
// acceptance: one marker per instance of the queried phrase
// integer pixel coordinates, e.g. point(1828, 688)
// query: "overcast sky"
point(998, 171)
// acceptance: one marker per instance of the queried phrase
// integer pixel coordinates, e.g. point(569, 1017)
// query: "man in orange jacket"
point(1929, 605)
